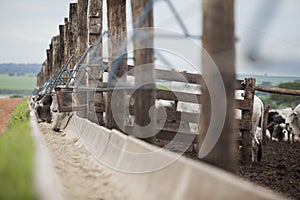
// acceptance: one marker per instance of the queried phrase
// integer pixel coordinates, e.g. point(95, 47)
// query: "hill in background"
point(20, 69)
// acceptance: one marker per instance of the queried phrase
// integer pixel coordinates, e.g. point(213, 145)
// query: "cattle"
point(46, 110)
point(32, 101)
point(294, 122)
point(276, 126)
point(279, 125)
point(42, 108)
point(60, 119)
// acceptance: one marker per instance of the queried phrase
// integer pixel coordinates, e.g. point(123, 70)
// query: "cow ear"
point(294, 113)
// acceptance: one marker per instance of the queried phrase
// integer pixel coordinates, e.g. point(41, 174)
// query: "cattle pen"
point(114, 103)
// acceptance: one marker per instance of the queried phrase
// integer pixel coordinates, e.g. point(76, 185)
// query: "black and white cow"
point(42, 108)
point(276, 126)
point(46, 110)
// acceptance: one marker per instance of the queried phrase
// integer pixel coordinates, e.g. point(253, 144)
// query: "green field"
point(17, 157)
point(16, 85)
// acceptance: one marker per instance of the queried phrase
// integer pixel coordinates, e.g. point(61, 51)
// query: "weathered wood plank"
point(82, 45)
point(182, 137)
point(218, 40)
point(97, 107)
point(243, 124)
point(277, 90)
point(264, 125)
point(243, 104)
point(61, 45)
point(247, 135)
point(117, 29)
point(143, 55)
point(179, 96)
point(94, 32)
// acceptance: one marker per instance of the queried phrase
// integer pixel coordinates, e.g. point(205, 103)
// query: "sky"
point(27, 27)
point(268, 31)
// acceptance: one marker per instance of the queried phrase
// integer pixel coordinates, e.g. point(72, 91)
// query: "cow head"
point(60, 119)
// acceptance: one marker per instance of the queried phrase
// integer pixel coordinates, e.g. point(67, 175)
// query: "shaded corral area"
point(279, 169)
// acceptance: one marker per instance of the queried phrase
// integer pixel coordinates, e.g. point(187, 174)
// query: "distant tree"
point(287, 100)
point(268, 101)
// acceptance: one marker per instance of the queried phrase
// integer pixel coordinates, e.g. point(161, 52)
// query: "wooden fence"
point(174, 118)
point(83, 27)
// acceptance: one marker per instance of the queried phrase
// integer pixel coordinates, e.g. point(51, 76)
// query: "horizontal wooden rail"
point(243, 104)
point(178, 96)
point(278, 90)
point(169, 134)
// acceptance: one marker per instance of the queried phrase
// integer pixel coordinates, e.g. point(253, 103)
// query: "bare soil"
point(279, 169)
point(7, 106)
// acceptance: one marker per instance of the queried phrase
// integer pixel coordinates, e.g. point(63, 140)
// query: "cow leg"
point(259, 152)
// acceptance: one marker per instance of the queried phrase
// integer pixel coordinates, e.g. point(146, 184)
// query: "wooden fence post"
point(82, 37)
point(49, 62)
point(143, 54)
point(44, 72)
point(265, 124)
point(72, 32)
point(38, 78)
point(95, 100)
point(66, 40)
point(117, 29)
point(61, 46)
point(55, 54)
point(247, 135)
point(82, 27)
point(218, 41)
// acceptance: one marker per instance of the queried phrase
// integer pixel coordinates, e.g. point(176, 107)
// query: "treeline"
point(15, 92)
point(20, 68)
point(281, 100)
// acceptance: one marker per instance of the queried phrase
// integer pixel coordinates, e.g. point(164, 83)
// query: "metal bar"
point(78, 65)
point(178, 18)
point(64, 69)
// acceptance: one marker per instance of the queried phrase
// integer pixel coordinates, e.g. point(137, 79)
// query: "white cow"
point(294, 121)
point(60, 119)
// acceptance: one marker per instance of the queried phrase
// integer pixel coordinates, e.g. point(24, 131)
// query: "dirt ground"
point(279, 169)
point(80, 176)
point(7, 105)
